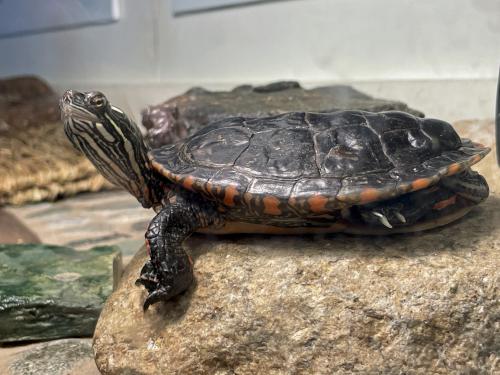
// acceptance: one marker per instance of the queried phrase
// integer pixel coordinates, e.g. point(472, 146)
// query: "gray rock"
point(182, 115)
point(405, 304)
point(26, 101)
point(60, 357)
point(51, 292)
point(88, 220)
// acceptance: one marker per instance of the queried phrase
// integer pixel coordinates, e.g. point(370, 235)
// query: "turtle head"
point(112, 142)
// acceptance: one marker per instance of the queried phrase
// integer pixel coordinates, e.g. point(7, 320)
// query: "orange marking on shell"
point(453, 169)
point(271, 205)
point(172, 176)
point(317, 203)
point(475, 159)
point(229, 194)
point(167, 174)
point(445, 203)
point(404, 188)
point(368, 195)
point(420, 183)
point(188, 183)
point(148, 248)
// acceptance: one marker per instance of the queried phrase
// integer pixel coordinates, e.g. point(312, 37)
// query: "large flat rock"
point(421, 303)
point(184, 114)
point(49, 292)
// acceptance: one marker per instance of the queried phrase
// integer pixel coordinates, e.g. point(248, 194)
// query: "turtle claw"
point(158, 295)
point(400, 217)
point(383, 219)
point(150, 281)
point(167, 282)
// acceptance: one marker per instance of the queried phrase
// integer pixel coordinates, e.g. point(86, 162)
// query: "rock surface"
point(99, 219)
point(26, 101)
point(423, 303)
point(51, 292)
point(12, 230)
point(182, 115)
point(61, 357)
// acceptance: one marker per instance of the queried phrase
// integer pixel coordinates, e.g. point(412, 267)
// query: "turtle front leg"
point(170, 270)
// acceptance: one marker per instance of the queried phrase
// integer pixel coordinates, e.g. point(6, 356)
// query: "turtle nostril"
point(67, 96)
point(72, 96)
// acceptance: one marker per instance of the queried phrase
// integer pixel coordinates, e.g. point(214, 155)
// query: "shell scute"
point(366, 188)
point(226, 178)
point(407, 146)
point(349, 150)
point(287, 153)
point(442, 134)
point(218, 147)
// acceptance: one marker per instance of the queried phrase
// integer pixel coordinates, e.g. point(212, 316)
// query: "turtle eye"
point(98, 101)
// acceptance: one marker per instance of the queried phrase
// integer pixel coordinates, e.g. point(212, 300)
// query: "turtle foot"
point(148, 277)
point(167, 282)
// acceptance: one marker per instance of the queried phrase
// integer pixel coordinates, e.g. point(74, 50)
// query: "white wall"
point(309, 40)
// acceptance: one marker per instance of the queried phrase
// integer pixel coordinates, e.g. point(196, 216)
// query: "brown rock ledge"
point(423, 303)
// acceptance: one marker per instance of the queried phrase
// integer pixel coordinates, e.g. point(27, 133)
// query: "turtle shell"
point(316, 161)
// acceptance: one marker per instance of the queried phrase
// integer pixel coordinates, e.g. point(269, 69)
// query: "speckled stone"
point(61, 357)
point(49, 292)
point(424, 303)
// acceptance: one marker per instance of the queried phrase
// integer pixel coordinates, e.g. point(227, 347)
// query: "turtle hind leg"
point(170, 270)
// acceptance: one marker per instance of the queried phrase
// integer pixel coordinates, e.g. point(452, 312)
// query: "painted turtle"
point(347, 171)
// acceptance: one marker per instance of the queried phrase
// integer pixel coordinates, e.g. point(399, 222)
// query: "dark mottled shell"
point(316, 161)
